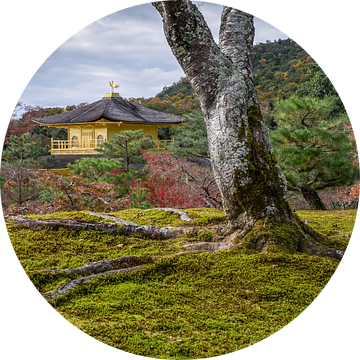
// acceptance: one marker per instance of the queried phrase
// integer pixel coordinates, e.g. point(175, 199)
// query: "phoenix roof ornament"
point(113, 85)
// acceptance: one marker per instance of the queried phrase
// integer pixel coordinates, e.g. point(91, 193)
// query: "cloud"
point(264, 31)
point(128, 47)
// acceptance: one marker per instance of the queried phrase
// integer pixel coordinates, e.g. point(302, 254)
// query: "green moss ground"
point(189, 306)
point(76, 215)
point(202, 217)
point(334, 224)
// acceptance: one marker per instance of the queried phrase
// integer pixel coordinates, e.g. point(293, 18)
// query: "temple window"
point(100, 139)
point(74, 142)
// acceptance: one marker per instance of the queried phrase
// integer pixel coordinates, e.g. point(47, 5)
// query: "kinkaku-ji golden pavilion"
point(95, 123)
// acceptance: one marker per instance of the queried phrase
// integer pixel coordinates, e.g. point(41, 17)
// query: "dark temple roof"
point(111, 109)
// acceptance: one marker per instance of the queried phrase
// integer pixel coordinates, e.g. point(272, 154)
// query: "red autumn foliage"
point(355, 190)
point(115, 172)
point(180, 184)
point(23, 125)
point(171, 182)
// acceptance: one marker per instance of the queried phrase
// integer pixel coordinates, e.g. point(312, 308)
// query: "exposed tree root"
point(109, 267)
point(209, 246)
point(289, 237)
point(183, 215)
point(128, 228)
point(71, 284)
point(110, 217)
point(265, 236)
point(103, 266)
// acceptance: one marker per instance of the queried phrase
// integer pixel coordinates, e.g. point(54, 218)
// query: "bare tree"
point(252, 186)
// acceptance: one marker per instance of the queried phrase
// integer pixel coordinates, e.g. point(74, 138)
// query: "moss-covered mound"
point(198, 305)
point(154, 217)
point(192, 305)
point(77, 215)
point(337, 225)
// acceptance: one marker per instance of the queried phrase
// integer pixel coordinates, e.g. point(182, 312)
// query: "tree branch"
point(8, 181)
point(302, 119)
point(293, 188)
point(206, 196)
point(331, 127)
point(329, 183)
point(191, 42)
point(69, 197)
point(307, 169)
point(201, 156)
point(237, 36)
point(159, 7)
point(31, 196)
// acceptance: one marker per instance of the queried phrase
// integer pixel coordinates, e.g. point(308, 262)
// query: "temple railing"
point(162, 144)
point(74, 144)
point(88, 146)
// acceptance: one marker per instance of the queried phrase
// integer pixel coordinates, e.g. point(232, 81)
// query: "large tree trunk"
point(312, 198)
point(252, 185)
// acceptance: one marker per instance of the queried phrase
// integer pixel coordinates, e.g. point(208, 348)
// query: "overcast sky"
point(128, 47)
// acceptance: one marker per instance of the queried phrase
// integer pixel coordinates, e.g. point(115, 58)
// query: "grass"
point(188, 306)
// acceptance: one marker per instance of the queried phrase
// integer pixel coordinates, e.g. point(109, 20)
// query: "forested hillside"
point(283, 71)
point(24, 124)
point(279, 68)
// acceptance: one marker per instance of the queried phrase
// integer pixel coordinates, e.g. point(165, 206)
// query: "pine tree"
point(320, 87)
point(22, 148)
point(94, 168)
point(104, 170)
point(139, 196)
point(126, 147)
point(191, 139)
point(314, 148)
point(19, 161)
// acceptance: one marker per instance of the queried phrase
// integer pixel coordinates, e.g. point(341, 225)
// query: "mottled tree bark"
point(252, 185)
